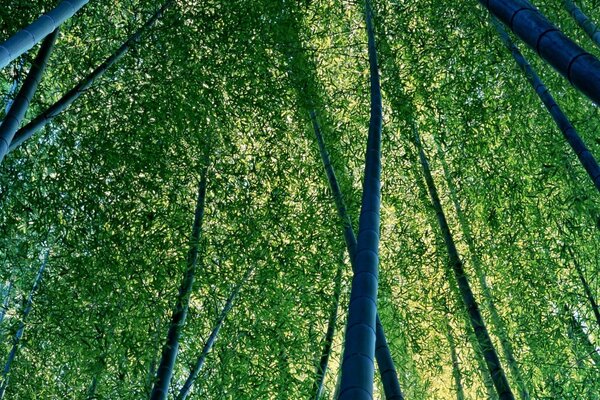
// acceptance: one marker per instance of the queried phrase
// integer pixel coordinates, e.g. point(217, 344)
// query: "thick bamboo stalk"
point(574, 63)
point(16, 113)
point(358, 365)
point(383, 355)
point(28, 37)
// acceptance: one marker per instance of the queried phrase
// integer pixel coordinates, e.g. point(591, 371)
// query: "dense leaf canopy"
point(109, 189)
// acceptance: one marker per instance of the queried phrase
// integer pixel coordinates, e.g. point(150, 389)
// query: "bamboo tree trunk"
point(171, 347)
point(336, 191)
point(456, 374)
point(28, 37)
point(574, 63)
point(359, 352)
point(11, 122)
point(185, 390)
point(387, 370)
point(19, 334)
point(586, 158)
point(401, 105)
point(306, 90)
point(483, 337)
point(497, 322)
point(583, 21)
point(385, 363)
point(64, 102)
point(468, 327)
point(484, 372)
point(486, 378)
point(328, 342)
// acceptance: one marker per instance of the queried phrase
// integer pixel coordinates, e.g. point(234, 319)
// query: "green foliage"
point(110, 187)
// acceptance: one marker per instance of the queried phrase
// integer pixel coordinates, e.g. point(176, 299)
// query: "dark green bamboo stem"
point(64, 102)
point(11, 122)
point(468, 327)
point(484, 372)
point(328, 342)
point(171, 347)
point(586, 158)
point(358, 365)
point(583, 21)
point(385, 362)
point(586, 288)
point(187, 386)
point(481, 333)
point(17, 339)
point(497, 322)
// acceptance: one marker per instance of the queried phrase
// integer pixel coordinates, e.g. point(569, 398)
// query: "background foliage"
point(109, 188)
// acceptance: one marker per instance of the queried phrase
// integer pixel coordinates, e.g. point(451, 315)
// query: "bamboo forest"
point(299, 199)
